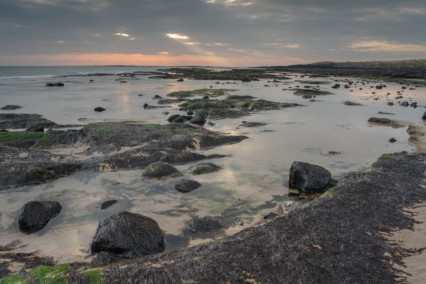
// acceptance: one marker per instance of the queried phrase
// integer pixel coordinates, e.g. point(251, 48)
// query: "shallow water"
point(256, 171)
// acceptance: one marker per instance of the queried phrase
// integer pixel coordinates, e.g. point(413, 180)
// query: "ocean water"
point(254, 174)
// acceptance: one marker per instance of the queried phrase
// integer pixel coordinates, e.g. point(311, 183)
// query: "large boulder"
point(35, 215)
point(310, 178)
point(128, 235)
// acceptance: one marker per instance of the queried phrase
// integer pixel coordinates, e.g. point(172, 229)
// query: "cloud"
point(178, 36)
point(121, 34)
point(163, 53)
point(293, 45)
point(227, 3)
point(373, 46)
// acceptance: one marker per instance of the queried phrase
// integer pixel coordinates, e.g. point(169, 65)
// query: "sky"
point(209, 32)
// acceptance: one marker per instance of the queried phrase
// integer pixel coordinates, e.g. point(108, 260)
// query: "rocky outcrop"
point(128, 235)
point(310, 178)
point(36, 214)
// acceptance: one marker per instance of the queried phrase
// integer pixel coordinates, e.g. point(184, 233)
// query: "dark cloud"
point(306, 29)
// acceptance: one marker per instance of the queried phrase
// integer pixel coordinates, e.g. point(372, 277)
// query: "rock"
point(405, 104)
point(182, 118)
point(99, 109)
point(128, 235)
point(186, 185)
point(310, 178)
point(424, 116)
point(35, 128)
point(35, 215)
point(349, 103)
point(392, 140)
point(172, 117)
point(212, 123)
point(414, 105)
point(199, 118)
point(390, 103)
point(205, 168)
point(157, 97)
point(10, 107)
point(379, 87)
point(190, 112)
point(245, 80)
point(336, 86)
point(180, 80)
point(57, 84)
point(252, 124)
point(204, 224)
point(108, 204)
point(160, 170)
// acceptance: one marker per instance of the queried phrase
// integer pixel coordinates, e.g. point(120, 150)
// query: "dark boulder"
point(157, 97)
point(35, 215)
point(199, 118)
point(310, 178)
point(108, 204)
point(424, 116)
point(128, 235)
point(172, 117)
point(392, 140)
point(57, 84)
point(405, 104)
point(180, 80)
point(99, 109)
point(160, 170)
point(252, 124)
point(187, 185)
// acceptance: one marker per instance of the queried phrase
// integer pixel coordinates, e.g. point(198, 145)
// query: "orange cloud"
point(162, 59)
point(371, 46)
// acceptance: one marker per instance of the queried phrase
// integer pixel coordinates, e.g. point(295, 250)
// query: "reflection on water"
point(255, 171)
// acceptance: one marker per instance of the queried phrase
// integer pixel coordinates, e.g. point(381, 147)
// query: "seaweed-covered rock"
point(187, 185)
point(199, 118)
point(10, 107)
point(205, 168)
point(160, 170)
point(35, 215)
point(310, 178)
point(128, 235)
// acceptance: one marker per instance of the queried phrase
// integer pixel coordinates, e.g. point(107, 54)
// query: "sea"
point(253, 180)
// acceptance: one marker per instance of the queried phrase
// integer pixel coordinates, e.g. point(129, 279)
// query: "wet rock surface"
point(310, 178)
point(108, 204)
point(35, 215)
point(35, 157)
point(204, 224)
point(128, 235)
point(10, 107)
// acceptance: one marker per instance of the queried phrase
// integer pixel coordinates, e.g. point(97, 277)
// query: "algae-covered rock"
point(128, 235)
point(10, 107)
point(205, 168)
point(160, 170)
